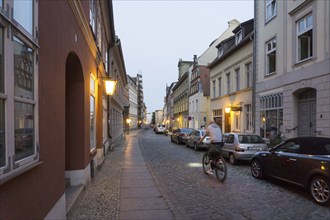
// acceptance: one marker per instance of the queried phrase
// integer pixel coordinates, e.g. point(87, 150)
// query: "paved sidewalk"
point(123, 188)
point(139, 195)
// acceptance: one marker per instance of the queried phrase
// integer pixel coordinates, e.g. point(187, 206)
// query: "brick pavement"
point(123, 188)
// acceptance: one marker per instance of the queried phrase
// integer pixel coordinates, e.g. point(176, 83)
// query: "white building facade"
point(292, 52)
point(199, 94)
point(231, 81)
point(133, 101)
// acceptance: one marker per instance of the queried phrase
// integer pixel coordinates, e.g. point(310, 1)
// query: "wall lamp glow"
point(110, 86)
point(227, 109)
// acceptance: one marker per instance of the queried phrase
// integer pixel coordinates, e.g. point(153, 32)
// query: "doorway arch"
point(74, 114)
point(306, 112)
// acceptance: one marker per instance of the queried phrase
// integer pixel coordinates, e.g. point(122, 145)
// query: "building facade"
point(199, 95)
point(292, 68)
point(133, 101)
point(54, 111)
point(231, 81)
point(168, 106)
point(141, 105)
point(181, 95)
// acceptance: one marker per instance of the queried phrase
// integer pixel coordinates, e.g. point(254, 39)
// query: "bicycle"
point(219, 166)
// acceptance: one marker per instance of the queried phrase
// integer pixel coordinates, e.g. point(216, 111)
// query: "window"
point(238, 37)
point(305, 37)
point(219, 83)
point(92, 15)
point(238, 78)
point(105, 118)
point(197, 105)
point(228, 82)
point(92, 115)
point(271, 115)
point(19, 102)
point(23, 14)
point(237, 123)
point(213, 89)
point(248, 117)
point(271, 57)
point(270, 9)
point(220, 51)
point(248, 73)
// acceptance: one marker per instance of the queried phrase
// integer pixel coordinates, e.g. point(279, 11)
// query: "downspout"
point(108, 100)
point(254, 74)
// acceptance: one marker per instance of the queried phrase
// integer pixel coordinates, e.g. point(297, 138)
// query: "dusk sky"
point(155, 34)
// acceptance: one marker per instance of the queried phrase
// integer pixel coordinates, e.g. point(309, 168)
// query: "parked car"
point(239, 146)
point(179, 135)
point(304, 161)
point(194, 137)
point(160, 128)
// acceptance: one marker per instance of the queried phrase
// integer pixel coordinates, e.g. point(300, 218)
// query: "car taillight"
point(239, 149)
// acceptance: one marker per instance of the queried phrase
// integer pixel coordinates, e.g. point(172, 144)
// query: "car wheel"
point(256, 169)
point(195, 147)
point(320, 190)
point(232, 159)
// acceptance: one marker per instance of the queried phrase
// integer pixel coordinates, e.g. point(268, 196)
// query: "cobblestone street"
point(189, 193)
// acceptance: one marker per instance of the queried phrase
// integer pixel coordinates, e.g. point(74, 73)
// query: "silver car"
point(194, 137)
point(241, 146)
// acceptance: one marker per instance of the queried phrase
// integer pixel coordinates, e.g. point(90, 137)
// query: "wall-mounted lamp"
point(227, 109)
point(110, 84)
point(128, 120)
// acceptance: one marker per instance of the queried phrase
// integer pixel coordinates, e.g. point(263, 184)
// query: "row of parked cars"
point(303, 161)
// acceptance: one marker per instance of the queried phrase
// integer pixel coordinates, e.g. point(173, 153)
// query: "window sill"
point(298, 63)
point(20, 172)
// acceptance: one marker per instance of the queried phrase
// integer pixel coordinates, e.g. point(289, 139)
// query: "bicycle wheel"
point(205, 162)
point(220, 169)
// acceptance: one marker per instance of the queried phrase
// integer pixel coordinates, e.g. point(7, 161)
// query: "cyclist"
point(214, 132)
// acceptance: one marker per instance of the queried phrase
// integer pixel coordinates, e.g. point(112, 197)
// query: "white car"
point(241, 146)
point(160, 129)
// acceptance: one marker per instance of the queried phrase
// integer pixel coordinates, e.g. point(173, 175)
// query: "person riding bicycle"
point(214, 132)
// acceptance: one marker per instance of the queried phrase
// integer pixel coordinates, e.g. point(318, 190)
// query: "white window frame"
point(248, 73)
point(220, 51)
point(248, 117)
point(228, 83)
point(238, 37)
point(92, 15)
point(92, 138)
point(12, 31)
point(271, 13)
point(238, 79)
point(270, 50)
point(306, 28)
point(219, 84)
point(105, 117)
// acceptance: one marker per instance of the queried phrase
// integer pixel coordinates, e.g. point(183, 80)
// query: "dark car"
point(179, 135)
point(194, 137)
point(304, 161)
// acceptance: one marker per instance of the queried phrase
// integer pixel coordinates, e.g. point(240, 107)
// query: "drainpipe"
point(108, 99)
point(254, 74)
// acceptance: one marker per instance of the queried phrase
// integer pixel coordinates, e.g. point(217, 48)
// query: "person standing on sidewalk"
point(214, 132)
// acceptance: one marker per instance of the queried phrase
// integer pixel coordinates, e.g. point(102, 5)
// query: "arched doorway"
point(307, 112)
point(74, 118)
